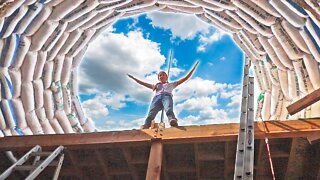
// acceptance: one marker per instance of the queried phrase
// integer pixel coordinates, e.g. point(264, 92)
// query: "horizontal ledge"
point(182, 134)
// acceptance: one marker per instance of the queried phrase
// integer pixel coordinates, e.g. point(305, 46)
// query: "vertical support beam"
point(127, 154)
point(196, 158)
point(103, 164)
point(155, 160)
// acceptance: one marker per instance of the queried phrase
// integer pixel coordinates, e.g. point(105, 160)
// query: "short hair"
point(160, 73)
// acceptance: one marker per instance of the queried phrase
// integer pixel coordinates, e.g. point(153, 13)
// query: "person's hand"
point(197, 62)
point(130, 76)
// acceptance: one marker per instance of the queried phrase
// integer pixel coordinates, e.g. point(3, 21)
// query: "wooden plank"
point(103, 164)
point(262, 162)
point(197, 163)
point(128, 157)
point(155, 161)
point(187, 134)
point(304, 102)
point(297, 158)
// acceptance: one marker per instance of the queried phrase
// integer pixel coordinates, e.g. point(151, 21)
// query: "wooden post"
point(304, 102)
point(155, 160)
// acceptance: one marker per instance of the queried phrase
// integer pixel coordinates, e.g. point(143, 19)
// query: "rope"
point(268, 149)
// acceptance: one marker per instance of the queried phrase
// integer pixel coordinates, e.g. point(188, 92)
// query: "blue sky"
point(140, 46)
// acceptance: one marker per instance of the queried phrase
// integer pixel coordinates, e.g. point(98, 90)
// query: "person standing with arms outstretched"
point(163, 96)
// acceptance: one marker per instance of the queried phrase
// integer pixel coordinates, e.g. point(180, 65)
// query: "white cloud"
point(207, 39)
point(197, 104)
point(95, 109)
point(181, 25)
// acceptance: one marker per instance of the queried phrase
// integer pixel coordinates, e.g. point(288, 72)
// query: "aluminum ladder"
point(245, 146)
point(38, 165)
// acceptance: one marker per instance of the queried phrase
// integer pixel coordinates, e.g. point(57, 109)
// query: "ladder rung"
point(53, 163)
point(41, 153)
point(24, 168)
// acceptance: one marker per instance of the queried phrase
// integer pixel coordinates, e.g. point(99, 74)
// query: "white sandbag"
point(56, 48)
point(271, 53)
point(19, 112)
point(41, 59)
point(1, 133)
point(312, 67)
point(314, 30)
point(56, 126)
point(284, 112)
point(5, 22)
point(262, 29)
point(284, 84)
point(41, 114)
point(33, 122)
point(8, 113)
point(244, 47)
point(38, 21)
point(15, 76)
point(66, 98)
point(46, 126)
point(242, 22)
point(155, 7)
point(79, 110)
point(225, 18)
point(99, 31)
point(245, 39)
point(58, 65)
point(312, 47)
point(11, 7)
point(220, 24)
point(88, 126)
point(111, 18)
point(6, 84)
point(265, 76)
point(33, 11)
point(280, 52)
point(97, 18)
point(74, 122)
point(82, 41)
point(54, 3)
point(225, 4)
point(258, 77)
point(10, 27)
point(286, 42)
point(79, 57)
point(255, 42)
point(72, 39)
point(272, 71)
point(188, 10)
point(26, 131)
point(289, 15)
point(63, 121)
point(133, 5)
point(47, 74)
point(110, 6)
point(38, 93)
point(80, 21)
point(53, 39)
point(57, 94)
point(276, 102)
point(29, 2)
point(74, 82)
point(2, 121)
point(82, 9)
point(28, 66)
point(66, 70)
point(27, 96)
point(293, 85)
point(41, 36)
point(297, 9)
point(48, 103)
point(22, 50)
point(178, 3)
point(63, 9)
point(9, 51)
point(305, 85)
point(203, 4)
point(255, 11)
point(315, 110)
point(313, 16)
point(7, 132)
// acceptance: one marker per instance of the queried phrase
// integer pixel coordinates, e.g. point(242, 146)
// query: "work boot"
point(144, 127)
point(173, 122)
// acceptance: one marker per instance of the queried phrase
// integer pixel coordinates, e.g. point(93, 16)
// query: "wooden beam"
point(74, 163)
point(304, 102)
point(262, 162)
point(297, 158)
point(164, 167)
point(155, 160)
point(128, 157)
point(103, 164)
point(197, 163)
point(187, 134)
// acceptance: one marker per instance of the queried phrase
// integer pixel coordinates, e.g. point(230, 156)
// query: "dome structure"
point(43, 43)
